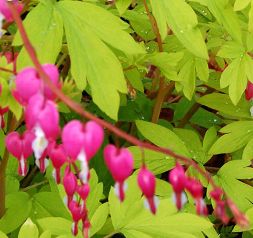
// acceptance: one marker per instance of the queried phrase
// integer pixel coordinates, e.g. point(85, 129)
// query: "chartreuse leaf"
point(248, 151)
point(237, 135)
point(131, 217)
point(122, 5)
point(57, 226)
point(45, 36)
point(225, 16)
point(160, 15)
point(167, 63)
point(229, 177)
point(18, 206)
point(28, 229)
point(183, 21)
point(104, 74)
point(231, 49)
point(162, 136)
point(241, 4)
point(44, 205)
point(99, 218)
point(158, 163)
point(223, 104)
point(2, 235)
point(235, 77)
point(46, 234)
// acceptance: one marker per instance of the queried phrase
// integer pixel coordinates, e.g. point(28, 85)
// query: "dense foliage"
point(176, 74)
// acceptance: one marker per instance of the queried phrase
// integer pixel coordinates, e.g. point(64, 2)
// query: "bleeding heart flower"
point(83, 191)
point(82, 141)
point(58, 158)
point(177, 179)
point(147, 183)
point(2, 112)
point(120, 163)
point(5, 11)
point(76, 212)
point(21, 148)
point(28, 84)
point(69, 183)
point(196, 190)
point(249, 91)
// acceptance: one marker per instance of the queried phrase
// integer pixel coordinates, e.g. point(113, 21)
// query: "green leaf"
point(227, 17)
point(187, 77)
point(104, 74)
point(63, 226)
point(2, 235)
point(235, 76)
point(44, 205)
point(202, 69)
point(18, 206)
point(161, 136)
point(231, 49)
point(122, 5)
point(241, 4)
point(237, 135)
point(167, 63)
point(46, 234)
point(99, 218)
point(158, 163)
point(192, 141)
point(160, 15)
point(45, 35)
point(229, 177)
point(28, 229)
point(223, 104)
point(183, 22)
point(248, 151)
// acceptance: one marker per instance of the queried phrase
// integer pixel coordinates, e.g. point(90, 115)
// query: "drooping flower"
point(80, 138)
point(69, 183)
point(178, 179)
point(58, 158)
point(2, 112)
point(119, 161)
point(196, 190)
point(77, 213)
point(147, 184)
point(28, 84)
point(21, 148)
point(41, 115)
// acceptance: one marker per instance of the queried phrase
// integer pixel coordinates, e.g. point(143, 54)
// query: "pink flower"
point(196, 190)
point(147, 183)
point(28, 84)
point(83, 191)
point(177, 179)
point(2, 112)
point(69, 183)
point(58, 158)
point(249, 91)
point(77, 213)
point(21, 148)
point(82, 141)
point(5, 11)
point(120, 163)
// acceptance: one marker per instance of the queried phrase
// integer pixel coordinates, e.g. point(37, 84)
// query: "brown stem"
point(164, 90)
point(3, 165)
point(195, 107)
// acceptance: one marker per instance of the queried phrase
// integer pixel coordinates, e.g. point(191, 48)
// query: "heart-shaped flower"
point(147, 184)
point(120, 163)
point(82, 141)
point(21, 148)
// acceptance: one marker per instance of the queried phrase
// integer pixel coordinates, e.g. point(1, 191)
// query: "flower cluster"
point(180, 182)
